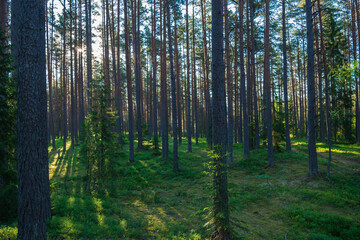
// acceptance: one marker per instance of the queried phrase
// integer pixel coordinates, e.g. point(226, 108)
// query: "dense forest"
point(180, 119)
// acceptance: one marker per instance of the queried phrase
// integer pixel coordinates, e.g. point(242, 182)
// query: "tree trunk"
point(208, 120)
point(221, 208)
point(287, 130)
point(242, 82)
point(49, 68)
point(136, 47)
point(64, 93)
point(268, 86)
point(188, 121)
point(173, 92)
point(154, 65)
point(88, 11)
point(164, 107)
point(32, 146)
point(129, 84)
point(313, 164)
point(229, 87)
point(357, 107)
point(253, 77)
point(177, 78)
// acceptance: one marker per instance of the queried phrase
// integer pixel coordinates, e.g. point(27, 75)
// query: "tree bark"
point(188, 121)
point(129, 84)
point(229, 87)
point(242, 82)
point(287, 130)
point(32, 147)
point(268, 86)
point(313, 164)
point(221, 208)
point(173, 92)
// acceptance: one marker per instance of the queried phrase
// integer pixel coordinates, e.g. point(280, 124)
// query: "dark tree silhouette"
point(313, 164)
point(221, 208)
point(32, 148)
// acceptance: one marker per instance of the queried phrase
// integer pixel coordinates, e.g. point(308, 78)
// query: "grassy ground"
point(349, 152)
point(147, 200)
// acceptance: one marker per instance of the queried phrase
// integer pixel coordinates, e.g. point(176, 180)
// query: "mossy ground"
point(147, 200)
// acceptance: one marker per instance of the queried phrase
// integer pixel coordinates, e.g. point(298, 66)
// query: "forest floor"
point(147, 200)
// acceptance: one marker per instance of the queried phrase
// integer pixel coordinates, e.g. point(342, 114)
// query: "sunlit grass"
point(344, 151)
point(149, 201)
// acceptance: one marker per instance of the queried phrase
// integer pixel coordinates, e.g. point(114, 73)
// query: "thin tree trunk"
point(188, 122)
point(49, 68)
point(268, 86)
point(242, 82)
point(129, 84)
point(221, 208)
point(164, 107)
point(287, 130)
point(88, 11)
point(229, 87)
point(253, 77)
point(135, 34)
point(173, 91)
point(313, 164)
point(154, 65)
point(208, 120)
point(357, 107)
point(327, 97)
point(177, 77)
point(64, 93)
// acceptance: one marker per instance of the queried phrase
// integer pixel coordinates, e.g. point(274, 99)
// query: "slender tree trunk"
point(72, 100)
point(81, 79)
point(64, 93)
point(129, 84)
point(287, 130)
point(49, 68)
point(327, 97)
point(195, 93)
point(208, 120)
point(173, 91)
point(154, 65)
point(313, 164)
point(221, 208)
point(253, 77)
point(229, 87)
point(177, 77)
point(320, 90)
point(357, 107)
point(137, 71)
point(76, 79)
point(268, 86)
point(188, 121)
point(238, 130)
point(88, 11)
point(242, 82)
point(164, 107)
point(294, 96)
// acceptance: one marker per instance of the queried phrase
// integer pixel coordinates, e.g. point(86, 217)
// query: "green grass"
point(147, 200)
point(345, 151)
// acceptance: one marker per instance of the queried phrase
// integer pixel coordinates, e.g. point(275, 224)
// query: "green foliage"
point(8, 181)
point(219, 215)
point(8, 233)
point(325, 223)
point(99, 149)
point(343, 78)
point(279, 126)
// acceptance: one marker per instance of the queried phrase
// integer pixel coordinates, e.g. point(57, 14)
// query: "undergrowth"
point(147, 200)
